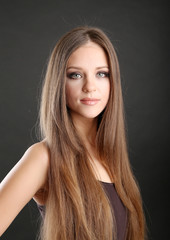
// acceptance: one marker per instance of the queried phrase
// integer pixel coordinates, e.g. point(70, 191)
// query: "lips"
point(89, 101)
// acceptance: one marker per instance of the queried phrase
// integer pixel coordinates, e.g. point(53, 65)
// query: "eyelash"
point(72, 75)
point(106, 74)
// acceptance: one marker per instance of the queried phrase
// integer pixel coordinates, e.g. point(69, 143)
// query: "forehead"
point(89, 53)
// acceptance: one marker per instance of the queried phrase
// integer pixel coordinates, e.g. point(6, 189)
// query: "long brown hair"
point(76, 206)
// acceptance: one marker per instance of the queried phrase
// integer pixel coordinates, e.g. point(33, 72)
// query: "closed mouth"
point(89, 101)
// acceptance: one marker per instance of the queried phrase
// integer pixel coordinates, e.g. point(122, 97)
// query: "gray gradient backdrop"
point(139, 31)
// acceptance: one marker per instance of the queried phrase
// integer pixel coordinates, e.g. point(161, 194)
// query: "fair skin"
point(87, 94)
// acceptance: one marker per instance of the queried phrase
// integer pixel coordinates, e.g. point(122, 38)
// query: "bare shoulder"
point(32, 167)
point(37, 157)
point(23, 182)
point(40, 151)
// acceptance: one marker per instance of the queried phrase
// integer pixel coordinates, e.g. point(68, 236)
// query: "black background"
point(139, 31)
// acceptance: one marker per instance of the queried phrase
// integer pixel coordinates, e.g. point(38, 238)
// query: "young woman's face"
point(87, 85)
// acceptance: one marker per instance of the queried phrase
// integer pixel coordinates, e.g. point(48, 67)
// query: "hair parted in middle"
point(76, 206)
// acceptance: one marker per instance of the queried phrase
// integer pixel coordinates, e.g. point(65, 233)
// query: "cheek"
point(70, 94)
point(106, 89)
point(106, 94)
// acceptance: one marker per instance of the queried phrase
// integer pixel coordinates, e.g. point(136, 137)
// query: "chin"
point(91, 115)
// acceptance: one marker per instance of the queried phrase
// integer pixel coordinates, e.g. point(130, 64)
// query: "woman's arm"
point(22, 183)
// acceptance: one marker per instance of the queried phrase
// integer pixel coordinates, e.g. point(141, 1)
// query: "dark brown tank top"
point(119, 209)
point(120, 212)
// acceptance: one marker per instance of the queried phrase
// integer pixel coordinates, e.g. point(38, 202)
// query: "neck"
point(87, 129)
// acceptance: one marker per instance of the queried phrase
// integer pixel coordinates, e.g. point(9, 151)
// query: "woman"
point(79, 174)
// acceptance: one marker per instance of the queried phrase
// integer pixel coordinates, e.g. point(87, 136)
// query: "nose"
point(89, 86)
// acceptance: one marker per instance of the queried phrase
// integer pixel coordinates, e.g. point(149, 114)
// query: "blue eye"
point(103, 74)
point(74, 75)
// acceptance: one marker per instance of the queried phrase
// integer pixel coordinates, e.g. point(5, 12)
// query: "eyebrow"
point(79, 68)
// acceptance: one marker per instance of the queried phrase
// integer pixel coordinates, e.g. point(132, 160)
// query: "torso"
point(99, 171)
point(109, 188)
point(120, 212)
